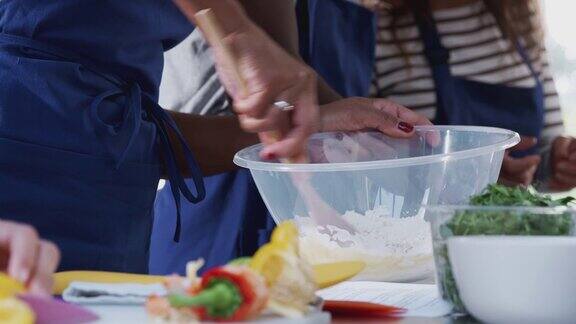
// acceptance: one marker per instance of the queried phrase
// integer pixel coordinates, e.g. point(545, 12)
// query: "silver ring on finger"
point(284, 105)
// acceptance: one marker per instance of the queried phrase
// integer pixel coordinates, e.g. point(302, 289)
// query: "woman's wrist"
point(324, 118)
point(338, 115)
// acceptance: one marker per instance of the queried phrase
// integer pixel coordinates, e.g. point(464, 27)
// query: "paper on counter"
point(112, 294)
point(420, 300)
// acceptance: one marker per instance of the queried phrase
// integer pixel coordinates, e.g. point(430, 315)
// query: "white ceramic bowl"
point(516, 279)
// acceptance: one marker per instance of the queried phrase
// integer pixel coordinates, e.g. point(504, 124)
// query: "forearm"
point(213, 139)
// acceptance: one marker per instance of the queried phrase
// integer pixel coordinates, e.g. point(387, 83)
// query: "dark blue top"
point(127, 38)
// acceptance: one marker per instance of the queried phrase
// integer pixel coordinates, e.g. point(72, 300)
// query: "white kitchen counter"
point(119, 314)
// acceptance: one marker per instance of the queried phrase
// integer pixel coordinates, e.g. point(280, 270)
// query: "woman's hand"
point(563, 162)
point(257, 72)
point(27, 258)
point(519, 171)
point(270, 75)
point(353, 114)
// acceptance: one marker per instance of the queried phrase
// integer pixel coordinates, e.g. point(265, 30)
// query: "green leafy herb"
point(498, 195)
point(499, 223)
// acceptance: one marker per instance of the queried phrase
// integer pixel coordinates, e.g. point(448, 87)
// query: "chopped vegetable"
point(9, 287)
point(15, 311)
point(494, 222)
point(276, 279)
point(229, 293)
point(245, 261)
point(160, 309)
point(12, 309)
point(269, 261)
point(289, 278)
point(286, 233)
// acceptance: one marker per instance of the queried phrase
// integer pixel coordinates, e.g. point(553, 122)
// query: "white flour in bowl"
point(394, 249)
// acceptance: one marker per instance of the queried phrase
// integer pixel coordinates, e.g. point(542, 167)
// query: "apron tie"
point(129, 129)
point(178, 186)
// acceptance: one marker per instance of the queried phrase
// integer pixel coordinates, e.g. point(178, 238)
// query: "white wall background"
point(561, 42)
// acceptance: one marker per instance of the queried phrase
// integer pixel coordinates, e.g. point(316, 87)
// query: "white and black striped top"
point(478, 51)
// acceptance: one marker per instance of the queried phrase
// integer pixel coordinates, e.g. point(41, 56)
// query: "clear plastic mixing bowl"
point(361, 195)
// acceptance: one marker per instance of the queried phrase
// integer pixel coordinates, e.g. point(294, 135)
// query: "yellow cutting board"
point(326, 275)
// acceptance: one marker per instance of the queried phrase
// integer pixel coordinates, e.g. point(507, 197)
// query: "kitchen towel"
point(111, 294)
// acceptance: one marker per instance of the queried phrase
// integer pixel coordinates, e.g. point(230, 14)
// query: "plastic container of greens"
point(377, 185)
point(448, 222)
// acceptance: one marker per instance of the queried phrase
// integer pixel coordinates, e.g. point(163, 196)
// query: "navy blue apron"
point(337, 39)
point(231, 222)
point(466, 102)
point(81, 134)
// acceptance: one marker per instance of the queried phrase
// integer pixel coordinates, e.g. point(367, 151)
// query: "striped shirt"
point(478, 51)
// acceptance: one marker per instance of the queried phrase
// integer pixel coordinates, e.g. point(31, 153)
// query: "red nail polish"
point(270, 156)
point(405, 127)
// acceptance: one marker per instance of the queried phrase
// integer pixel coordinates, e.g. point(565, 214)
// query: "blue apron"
point(337, 39)
point(80, 130)
point(231, 222)
point(466, 102)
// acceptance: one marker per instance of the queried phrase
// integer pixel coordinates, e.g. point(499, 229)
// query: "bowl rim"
point(555, 210)
point(515, 240)
point(512, 139)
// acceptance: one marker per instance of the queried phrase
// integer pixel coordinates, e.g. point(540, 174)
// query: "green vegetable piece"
point(243, 261)
point(221, 299)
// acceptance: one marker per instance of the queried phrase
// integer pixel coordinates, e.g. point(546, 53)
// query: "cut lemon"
point(14, 311)
point(9, 287)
